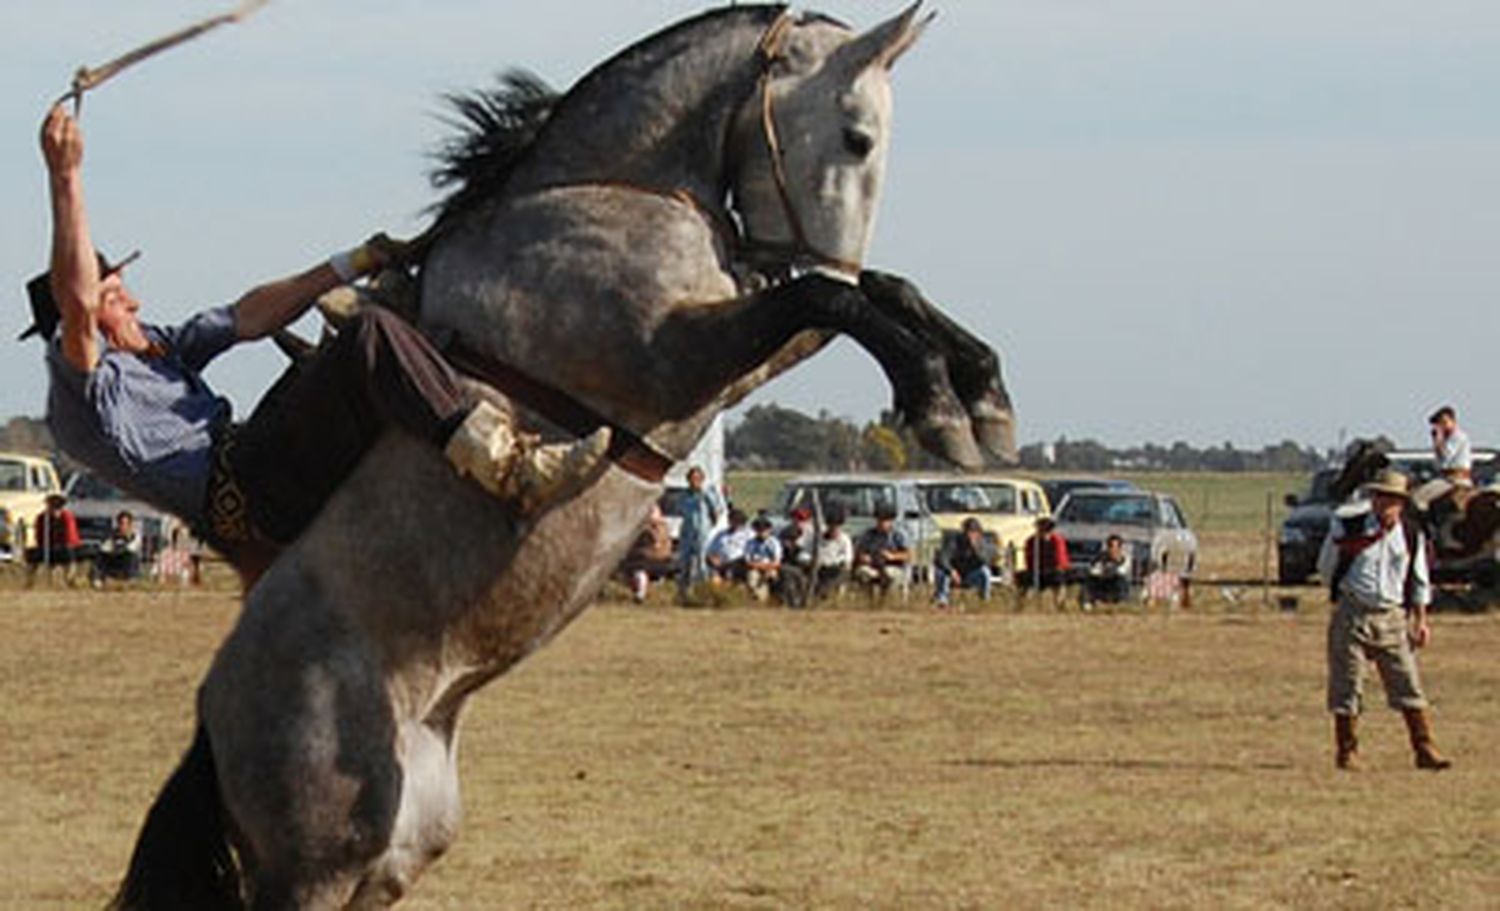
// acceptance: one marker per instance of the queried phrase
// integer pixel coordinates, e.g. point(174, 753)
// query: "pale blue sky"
point(1239, 220)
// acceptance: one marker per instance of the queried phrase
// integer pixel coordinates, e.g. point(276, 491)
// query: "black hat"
point(44, 315)
point(761, 522)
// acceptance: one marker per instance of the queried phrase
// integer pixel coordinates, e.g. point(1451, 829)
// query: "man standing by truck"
point(1376, 564)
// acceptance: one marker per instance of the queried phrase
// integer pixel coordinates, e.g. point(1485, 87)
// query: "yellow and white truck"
point(25, 483)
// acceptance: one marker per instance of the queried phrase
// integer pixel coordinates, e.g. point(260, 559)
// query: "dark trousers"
point(311, 430)
point(792, 585)
point(54, 556)
point(828, 581)
point(1110, 589)
point(120, 564)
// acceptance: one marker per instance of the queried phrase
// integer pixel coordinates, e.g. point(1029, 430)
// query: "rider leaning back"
point(127, 398)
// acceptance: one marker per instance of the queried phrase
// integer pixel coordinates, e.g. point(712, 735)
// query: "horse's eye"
point(858, 143)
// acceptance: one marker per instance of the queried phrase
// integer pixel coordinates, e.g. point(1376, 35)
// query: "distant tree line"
point(1089, 455)
point(771, 437)
point(26, 435)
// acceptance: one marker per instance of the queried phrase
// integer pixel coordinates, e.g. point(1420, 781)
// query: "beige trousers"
point(1357, 633)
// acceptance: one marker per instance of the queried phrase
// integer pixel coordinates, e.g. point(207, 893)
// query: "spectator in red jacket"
point(56, 535)
point(1047, 563)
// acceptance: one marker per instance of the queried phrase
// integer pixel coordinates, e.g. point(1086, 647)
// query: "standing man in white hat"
point(1375, 562)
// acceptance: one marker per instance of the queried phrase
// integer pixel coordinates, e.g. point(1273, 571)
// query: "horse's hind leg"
point(304, 730)
point(427, 821)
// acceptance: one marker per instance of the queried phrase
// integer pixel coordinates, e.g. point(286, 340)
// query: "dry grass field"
point(655, 757)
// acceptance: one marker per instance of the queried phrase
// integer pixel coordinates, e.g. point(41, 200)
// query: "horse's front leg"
point(919, 371)
point(712, 348)
point(973, 366)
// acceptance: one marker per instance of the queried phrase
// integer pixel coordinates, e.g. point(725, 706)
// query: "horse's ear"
point(883, 44)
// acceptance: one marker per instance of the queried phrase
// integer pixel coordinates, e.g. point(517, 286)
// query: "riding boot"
point(1346, 743)
point(512, 466)
point(1423, 748)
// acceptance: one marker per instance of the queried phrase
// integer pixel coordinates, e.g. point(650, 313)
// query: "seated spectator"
point(181, 561)
point(835, 555)
point(650, 557)
point(1108, 579)
point(797, 539)
point(119, 555)
point(966, 560)
point(56, 534)
point(1047, 563)
point(762, 559)
point(881, 554)
point(726, 550)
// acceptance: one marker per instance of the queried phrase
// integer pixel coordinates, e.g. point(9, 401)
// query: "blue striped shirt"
point(146, 423)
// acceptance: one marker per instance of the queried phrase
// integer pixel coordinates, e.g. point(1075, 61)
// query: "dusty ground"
point(754, 758)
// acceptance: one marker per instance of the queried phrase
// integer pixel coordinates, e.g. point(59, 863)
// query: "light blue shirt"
point(1377, 576)
point(700, 513)
point(146, 423)
point(763, 550)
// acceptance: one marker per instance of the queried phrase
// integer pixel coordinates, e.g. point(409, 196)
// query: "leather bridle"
point(800, 251)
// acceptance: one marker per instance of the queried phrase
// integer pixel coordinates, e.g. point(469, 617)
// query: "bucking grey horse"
point(685, 223)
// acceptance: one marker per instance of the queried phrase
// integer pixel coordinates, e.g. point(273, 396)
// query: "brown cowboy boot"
point(1346, 743)
point(511, 466)
point(1426, 752)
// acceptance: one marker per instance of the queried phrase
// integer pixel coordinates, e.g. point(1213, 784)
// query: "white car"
point(1152, 525)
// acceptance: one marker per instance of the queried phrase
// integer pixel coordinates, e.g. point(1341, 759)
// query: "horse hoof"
point(995, 430)
point(951, 439)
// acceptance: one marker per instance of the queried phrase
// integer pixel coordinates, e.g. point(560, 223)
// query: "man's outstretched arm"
point(74, 265)
point(268, 308)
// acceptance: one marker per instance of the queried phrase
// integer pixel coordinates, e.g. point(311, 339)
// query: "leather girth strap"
point(626, 449)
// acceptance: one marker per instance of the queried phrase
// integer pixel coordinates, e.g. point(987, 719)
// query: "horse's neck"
point(657, 116)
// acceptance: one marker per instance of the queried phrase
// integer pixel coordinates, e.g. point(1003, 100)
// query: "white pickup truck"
point(25, 483)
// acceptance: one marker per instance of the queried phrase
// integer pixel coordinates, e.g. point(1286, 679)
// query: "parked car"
point(95, 503)
point(1007, 507)
point(1152, 525)
point(25, 483)
point(859, 497)
point(1303, 530)
point(1057, 489)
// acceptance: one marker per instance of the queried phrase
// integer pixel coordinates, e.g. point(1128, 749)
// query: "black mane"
point(496, 127)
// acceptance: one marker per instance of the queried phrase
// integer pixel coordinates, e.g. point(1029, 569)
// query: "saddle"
point(1460, 517)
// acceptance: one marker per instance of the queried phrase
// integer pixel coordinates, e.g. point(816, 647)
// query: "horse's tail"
point(182, 858)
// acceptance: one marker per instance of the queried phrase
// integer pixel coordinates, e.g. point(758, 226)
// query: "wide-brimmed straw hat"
point(1390, 482)
point(44, 315)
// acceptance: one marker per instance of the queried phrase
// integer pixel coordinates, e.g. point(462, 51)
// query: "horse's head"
point(809, 148)
point(1362, 460)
